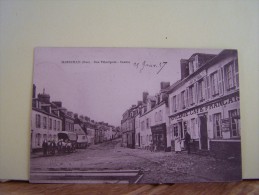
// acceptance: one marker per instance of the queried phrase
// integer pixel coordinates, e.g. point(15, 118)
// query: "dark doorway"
point(204, 133)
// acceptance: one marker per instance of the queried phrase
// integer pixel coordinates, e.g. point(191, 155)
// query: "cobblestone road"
point(158, 167)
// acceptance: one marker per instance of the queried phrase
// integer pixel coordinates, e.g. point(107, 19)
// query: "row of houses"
point(49, 118)
point(204, 102)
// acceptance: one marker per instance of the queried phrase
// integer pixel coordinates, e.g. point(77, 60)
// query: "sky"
point(102, 83)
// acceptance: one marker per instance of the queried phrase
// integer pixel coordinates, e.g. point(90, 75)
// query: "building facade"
point(45, 122)
point(205, 102)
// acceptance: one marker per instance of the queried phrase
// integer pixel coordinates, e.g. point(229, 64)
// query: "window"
point(183, 99)
point(55, 124)
point(214, 84)
point(160, 115)
point(147, 122)
point(37, 121)
point(174, 104)
point(45, 122)
point(191, 95)
point(38, 139)
point(234, 122)
point(50, 123)
point(201, 91)
point(142, 125)
point(217, 125)
point(231, 74)
point(58, 125)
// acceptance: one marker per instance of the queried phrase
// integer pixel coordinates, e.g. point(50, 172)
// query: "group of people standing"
point(48, 147)
point(178, 141)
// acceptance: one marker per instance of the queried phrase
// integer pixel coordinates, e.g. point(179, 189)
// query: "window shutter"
point(220, 82)
point(209, 86)
point(236, 74)
point(206, 87)
point(179, 101)
point(222, 79)
point(176, 103)
point(196, 93)
point(186, 97)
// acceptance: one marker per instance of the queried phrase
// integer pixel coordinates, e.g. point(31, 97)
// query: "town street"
point(157, 167)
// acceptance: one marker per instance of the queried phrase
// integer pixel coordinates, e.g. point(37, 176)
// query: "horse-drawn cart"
point(67, 142)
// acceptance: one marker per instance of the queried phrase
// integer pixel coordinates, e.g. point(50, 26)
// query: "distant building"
point(128, 127)
point(153, 120)
point(80, 130)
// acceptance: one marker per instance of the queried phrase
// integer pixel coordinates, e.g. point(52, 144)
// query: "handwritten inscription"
point(145, 65)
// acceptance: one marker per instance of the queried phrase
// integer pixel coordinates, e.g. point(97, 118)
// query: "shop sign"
point(206, 107)
point(225, 124)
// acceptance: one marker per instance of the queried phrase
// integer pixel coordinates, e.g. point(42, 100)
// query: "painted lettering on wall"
point(207, 107)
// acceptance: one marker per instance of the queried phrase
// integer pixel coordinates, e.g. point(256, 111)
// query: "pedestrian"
point(187, 139)
point(45, 147)
point(177, 143)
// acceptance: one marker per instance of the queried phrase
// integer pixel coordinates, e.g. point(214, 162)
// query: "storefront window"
point(234, 122)
point(175, 129)
point(193, 132)
point(217, 125)
point(184, 128)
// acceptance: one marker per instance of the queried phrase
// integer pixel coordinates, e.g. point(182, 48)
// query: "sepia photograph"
point(135, 115)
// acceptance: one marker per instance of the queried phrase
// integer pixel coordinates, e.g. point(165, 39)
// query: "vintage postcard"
point(135, 115)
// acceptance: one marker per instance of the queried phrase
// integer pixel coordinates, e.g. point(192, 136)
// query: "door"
point(204, 133)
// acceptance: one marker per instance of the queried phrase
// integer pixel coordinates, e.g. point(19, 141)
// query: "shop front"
point(159, 136)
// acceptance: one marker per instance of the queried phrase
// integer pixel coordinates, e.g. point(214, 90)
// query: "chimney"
point(145, 94)
point(164, 85)
point(75, 115)
point(34, 91)
point(44, 98)
point(69, 113)
point(184, 68)
point(139, 103)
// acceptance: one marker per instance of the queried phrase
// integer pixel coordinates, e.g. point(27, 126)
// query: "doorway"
point(204, 133)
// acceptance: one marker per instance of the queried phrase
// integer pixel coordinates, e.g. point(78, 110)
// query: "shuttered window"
point(191, 95)
point(236, 74)
point(214, 83)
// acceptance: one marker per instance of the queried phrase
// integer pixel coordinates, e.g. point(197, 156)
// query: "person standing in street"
point(187, 140)
point(45, 147)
